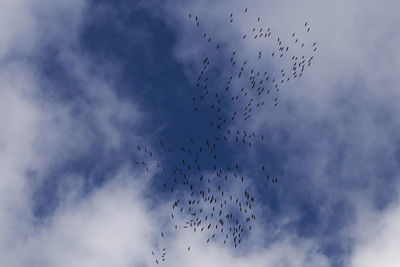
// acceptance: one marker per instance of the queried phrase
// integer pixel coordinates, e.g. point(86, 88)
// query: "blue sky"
point(83, 83)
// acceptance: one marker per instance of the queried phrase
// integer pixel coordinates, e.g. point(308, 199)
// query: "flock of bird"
point(210, 195)
point(210, 199)
point(250, 79)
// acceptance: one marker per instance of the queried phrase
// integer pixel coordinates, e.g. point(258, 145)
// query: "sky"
point(84, 82)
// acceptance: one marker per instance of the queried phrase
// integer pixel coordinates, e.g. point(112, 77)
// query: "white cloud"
point(40, 133)
point(377, 235)
point(110, 227)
